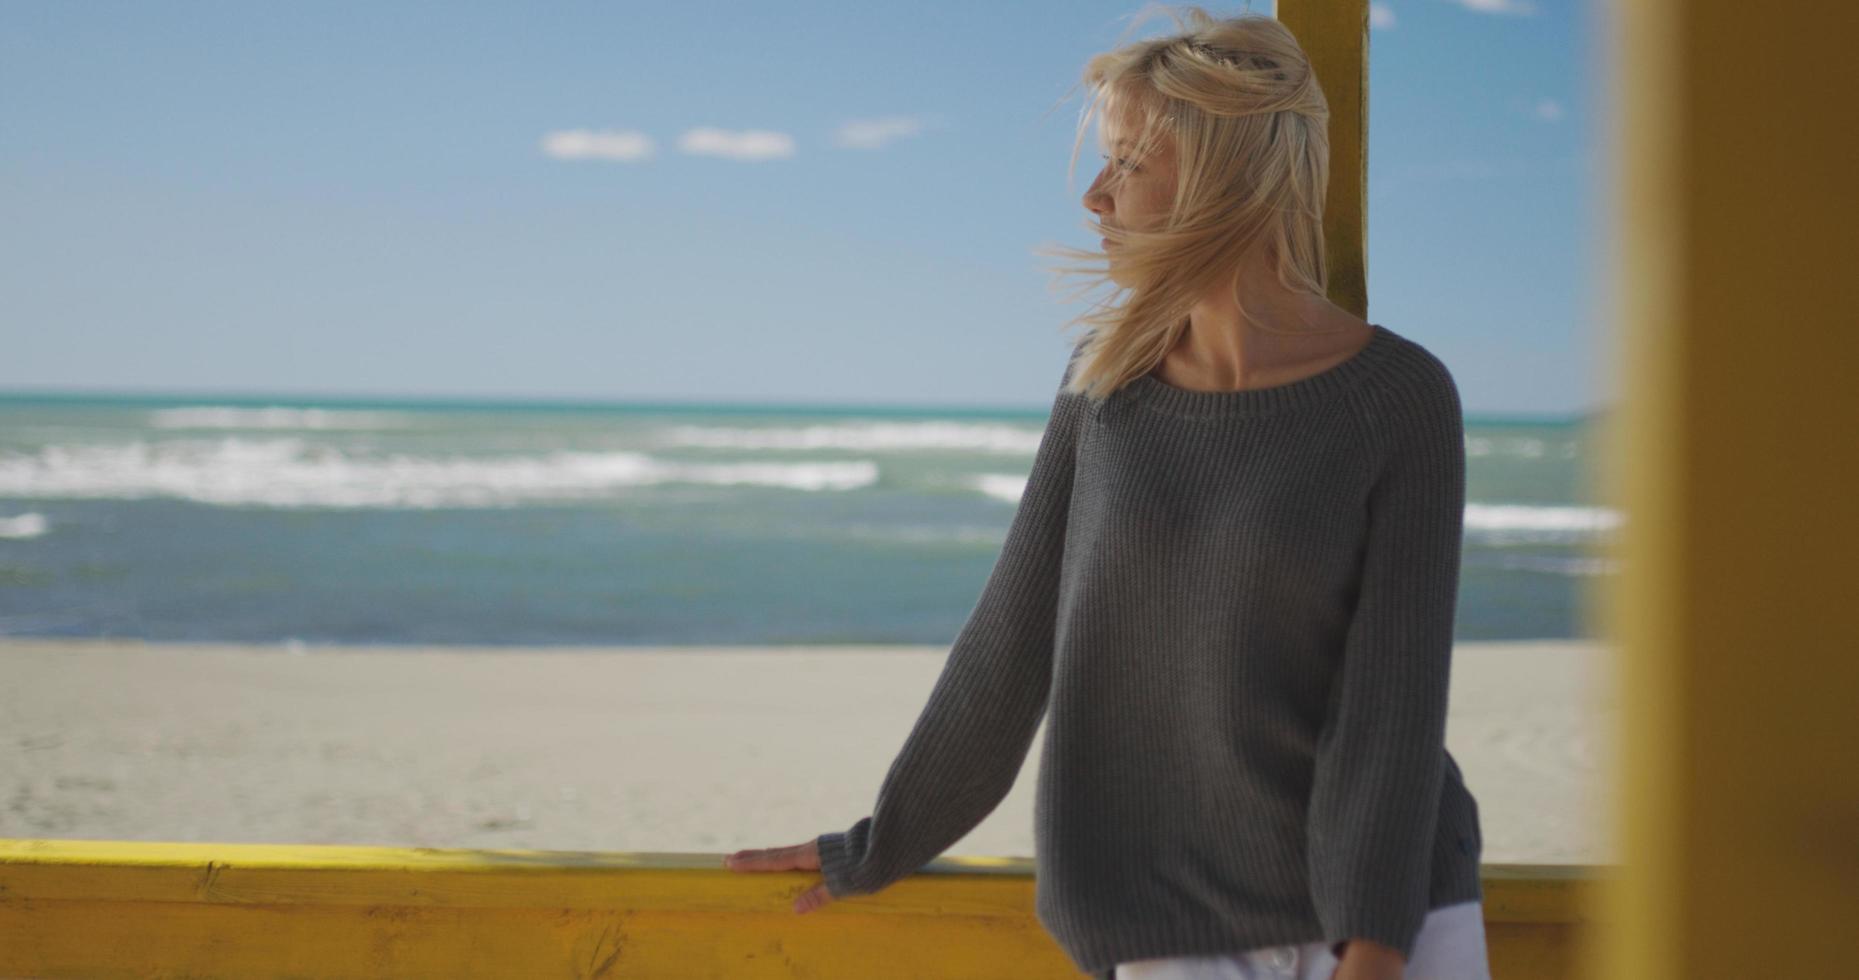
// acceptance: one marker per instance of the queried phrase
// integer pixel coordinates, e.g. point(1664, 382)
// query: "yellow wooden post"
point(1334, 35)
point(1736, 611)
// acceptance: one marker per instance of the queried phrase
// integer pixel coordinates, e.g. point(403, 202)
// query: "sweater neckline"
point(1161, 395)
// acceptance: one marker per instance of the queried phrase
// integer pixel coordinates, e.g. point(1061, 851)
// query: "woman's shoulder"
point(1410, 368)
point(1411, 387)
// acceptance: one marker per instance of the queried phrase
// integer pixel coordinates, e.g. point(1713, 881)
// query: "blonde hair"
point(1250, 129)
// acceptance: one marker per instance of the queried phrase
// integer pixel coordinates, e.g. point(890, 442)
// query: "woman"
point(1229, 587)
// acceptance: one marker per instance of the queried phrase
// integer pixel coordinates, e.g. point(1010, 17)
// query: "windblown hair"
point(1250, 129)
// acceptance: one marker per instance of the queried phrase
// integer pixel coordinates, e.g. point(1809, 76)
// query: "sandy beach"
point(625, 748)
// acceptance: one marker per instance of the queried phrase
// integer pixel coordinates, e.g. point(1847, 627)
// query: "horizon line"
point(544, 402)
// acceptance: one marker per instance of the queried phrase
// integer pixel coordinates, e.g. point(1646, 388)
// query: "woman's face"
point(1141, 199)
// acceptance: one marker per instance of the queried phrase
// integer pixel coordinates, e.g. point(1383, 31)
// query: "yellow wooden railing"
point(81, 908)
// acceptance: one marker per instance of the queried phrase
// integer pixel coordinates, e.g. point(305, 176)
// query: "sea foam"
point(23, 526)
point(293, 472)
point(987, 437)
point(1505, 523)
point(272, 417)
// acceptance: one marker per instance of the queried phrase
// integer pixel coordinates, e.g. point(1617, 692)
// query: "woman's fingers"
point(812, 899)
point(800, 857)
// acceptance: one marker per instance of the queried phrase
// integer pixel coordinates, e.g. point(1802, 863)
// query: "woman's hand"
point(800, 857)
point(1365, 959)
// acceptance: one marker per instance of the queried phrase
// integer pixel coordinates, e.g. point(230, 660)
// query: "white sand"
point(625, 749)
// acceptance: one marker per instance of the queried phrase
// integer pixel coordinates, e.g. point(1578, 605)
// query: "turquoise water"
point(320, 521)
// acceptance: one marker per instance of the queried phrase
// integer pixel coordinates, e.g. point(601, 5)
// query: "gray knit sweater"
point(1234, 610)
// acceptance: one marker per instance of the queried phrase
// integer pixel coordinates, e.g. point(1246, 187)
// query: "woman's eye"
point(1122, 163)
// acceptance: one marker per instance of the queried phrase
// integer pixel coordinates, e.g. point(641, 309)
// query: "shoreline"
point(625, 748)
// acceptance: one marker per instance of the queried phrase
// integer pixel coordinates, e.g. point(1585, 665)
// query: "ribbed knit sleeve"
point(1375, 796)
point(966, 748)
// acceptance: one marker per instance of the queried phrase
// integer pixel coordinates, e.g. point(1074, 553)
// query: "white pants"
point(1450, 946)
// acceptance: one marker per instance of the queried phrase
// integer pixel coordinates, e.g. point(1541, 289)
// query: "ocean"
point(323, 521)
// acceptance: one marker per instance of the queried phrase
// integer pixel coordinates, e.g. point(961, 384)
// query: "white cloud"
point(744, 144)
point(1549, 109)
point(870, 134)
point(1380, 17)
point(1523, 7)
point(583, 144)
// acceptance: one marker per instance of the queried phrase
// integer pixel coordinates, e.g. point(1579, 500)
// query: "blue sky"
point(818, 202)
